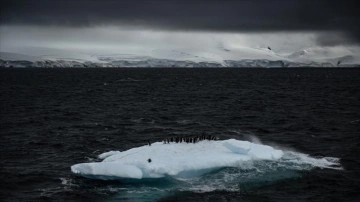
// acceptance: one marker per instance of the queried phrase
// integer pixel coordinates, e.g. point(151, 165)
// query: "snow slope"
point(18, 57)
point(336, 56)
point(212, 57)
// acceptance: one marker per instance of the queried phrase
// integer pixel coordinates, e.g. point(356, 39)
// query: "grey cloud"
point(336, 38)
point(112, 39)
point(192, 15)
point(223, 15)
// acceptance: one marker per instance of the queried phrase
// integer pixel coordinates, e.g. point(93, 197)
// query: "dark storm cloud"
point(202, 15)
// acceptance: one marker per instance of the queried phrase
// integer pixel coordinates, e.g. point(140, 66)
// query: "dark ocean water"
point(51, 119)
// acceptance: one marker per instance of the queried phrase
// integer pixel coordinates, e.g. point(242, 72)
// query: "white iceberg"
point(175, 159)
point(186, 160)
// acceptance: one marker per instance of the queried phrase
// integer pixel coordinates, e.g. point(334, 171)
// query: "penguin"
point(203, 136)
point(149, 143)
point(149, 160)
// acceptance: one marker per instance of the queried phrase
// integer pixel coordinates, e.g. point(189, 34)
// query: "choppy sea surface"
point(51, 119)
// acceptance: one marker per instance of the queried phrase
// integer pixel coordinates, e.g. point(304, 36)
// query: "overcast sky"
point(112, 25)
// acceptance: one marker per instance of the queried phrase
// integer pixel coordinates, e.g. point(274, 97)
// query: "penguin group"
point(194, 140)
point(187, 140)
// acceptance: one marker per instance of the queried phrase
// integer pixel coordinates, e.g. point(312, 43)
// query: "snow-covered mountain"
point(217, 57)
point(334, 56)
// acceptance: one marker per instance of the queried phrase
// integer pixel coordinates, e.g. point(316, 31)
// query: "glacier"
point(188, 58)
point(191, 160)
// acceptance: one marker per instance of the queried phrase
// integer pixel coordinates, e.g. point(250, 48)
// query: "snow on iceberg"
point(183, 160)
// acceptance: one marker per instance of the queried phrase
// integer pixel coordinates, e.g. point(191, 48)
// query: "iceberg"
point(206, 166)
point(179, 160)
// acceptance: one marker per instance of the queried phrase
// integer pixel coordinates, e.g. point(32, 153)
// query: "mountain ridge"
point(219, 57)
